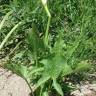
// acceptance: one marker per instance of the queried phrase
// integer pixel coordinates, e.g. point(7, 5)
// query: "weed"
point(62, 49)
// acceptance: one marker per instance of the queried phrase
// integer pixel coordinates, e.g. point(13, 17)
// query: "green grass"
point(58, 39)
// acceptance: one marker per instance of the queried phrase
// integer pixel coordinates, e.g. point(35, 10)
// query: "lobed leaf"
point(58, 87)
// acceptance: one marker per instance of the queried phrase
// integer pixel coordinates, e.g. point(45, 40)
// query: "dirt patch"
point(85, 90)
point(12, 85)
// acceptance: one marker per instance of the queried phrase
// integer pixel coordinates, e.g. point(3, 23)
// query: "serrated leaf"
point(35, 70)
point(58, 46)
point(44, 61)
point(45, 93)
point(33, 40)
point(58, 87)
point(35, 43)
point(73, 48)
point(42, 80)
point(18, 69)
point(67, 70)
point(54, 65)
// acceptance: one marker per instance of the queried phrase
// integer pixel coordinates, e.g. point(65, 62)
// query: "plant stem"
point(29, 86)
point(47, 29)
point(41, 90)
point(48, 24)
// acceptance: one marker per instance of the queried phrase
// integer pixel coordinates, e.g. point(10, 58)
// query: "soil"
point(85, 90)
point(12, 85)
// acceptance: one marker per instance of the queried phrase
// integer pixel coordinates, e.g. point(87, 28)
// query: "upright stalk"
point(44, 2)
point(47, 30)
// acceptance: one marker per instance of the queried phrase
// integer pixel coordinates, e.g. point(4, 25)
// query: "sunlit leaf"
point(18, 69)
point(45, 93)
point(42, 80)
point(58, 88)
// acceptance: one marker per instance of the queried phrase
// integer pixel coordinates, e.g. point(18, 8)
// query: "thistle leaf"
point(67, 70)
point(35, 70)
point(20, 70)
point(45, 93)
point(36, 44)
point(42, 80)
point(58, 87)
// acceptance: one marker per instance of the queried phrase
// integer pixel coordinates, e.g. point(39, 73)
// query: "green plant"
point(54, 56)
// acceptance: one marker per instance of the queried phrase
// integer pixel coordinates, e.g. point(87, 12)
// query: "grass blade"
point(4, 19)
point(9, 34)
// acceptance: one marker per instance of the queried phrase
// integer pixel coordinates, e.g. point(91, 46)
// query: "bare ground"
point(12, 85)
point(85, 90)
